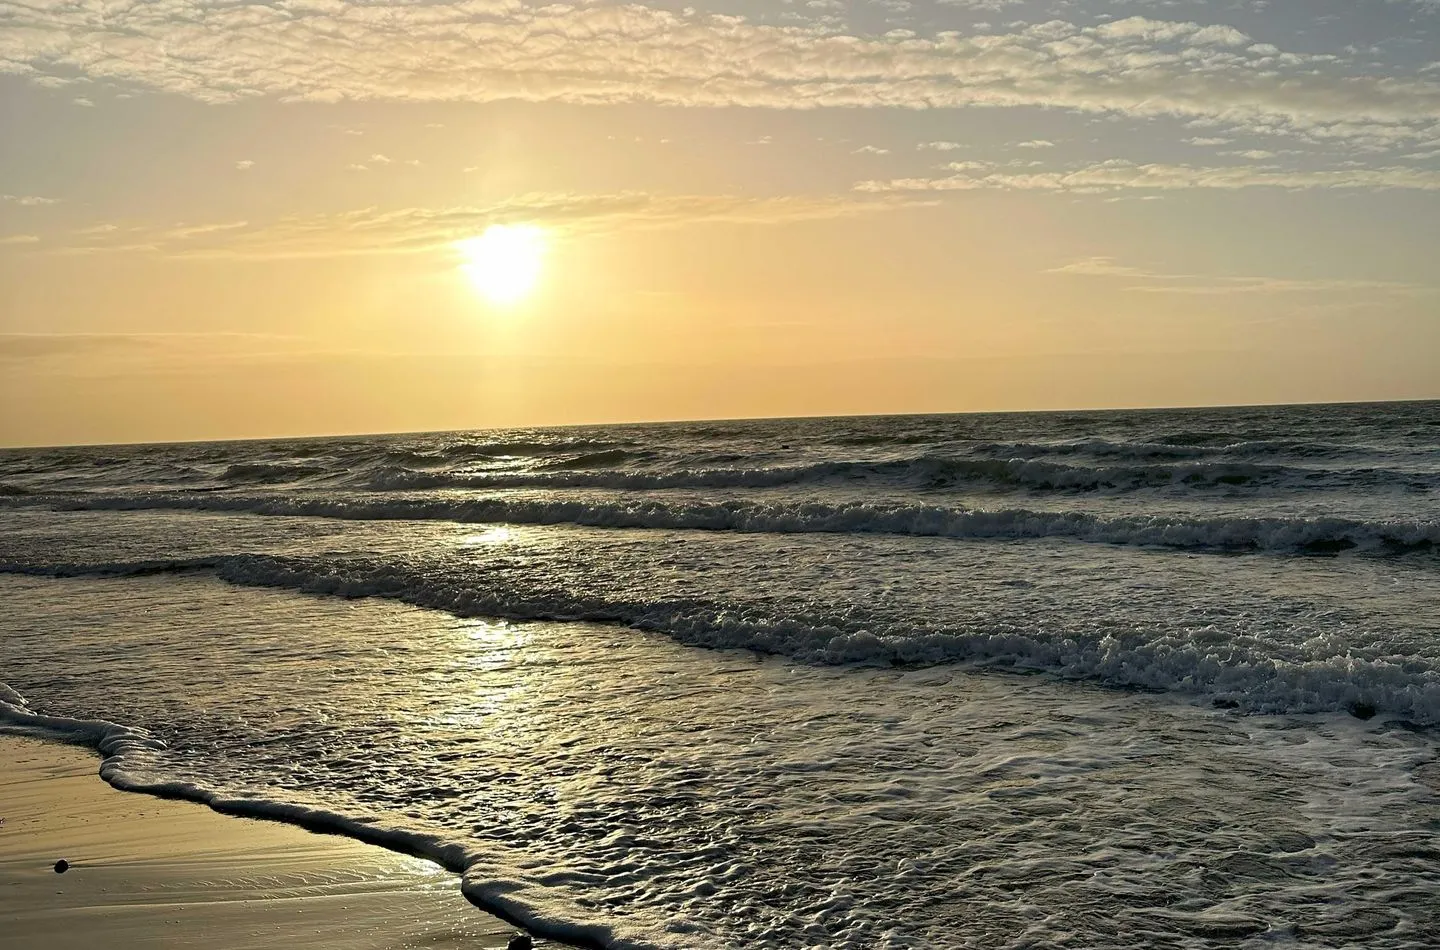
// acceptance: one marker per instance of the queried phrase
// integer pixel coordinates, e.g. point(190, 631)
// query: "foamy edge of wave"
point(1249, 683)
point(488, 885)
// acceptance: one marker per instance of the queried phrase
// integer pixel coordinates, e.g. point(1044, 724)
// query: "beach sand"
point(151, 873)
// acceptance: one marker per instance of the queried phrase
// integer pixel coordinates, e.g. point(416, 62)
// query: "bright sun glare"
point(504, 263)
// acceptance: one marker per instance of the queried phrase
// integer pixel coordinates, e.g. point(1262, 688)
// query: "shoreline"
point(148, 871)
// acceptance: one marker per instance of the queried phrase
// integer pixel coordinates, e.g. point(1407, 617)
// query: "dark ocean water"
point(758, 683)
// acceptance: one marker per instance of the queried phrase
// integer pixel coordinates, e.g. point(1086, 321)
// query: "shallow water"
point(649, 705)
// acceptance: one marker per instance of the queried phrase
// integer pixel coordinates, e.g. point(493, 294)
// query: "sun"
point(504, 263)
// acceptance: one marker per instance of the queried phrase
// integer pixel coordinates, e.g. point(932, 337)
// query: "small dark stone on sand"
point(62, 866)
point(520, 942)
point(1363, 711)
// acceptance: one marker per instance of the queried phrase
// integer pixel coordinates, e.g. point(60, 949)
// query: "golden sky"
point(243, 219)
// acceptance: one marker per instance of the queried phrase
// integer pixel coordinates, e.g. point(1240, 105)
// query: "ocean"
point(1162, 678)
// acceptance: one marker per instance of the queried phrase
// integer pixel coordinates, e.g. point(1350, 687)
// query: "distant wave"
point(925, 472)
point(601, 459)
point(1229, 673)
point(1283, 535)
point(267, 473)
point(1174, 463)
point(1159, 450)
point(469, 451)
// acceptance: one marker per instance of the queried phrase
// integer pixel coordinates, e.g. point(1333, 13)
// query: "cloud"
point(1118, 175)
point(989, 5)
point(1158, 282)
point(27, 346)
point(1097, 267)
point(45, 351)
point(20, 239)
point(871, 150)
point(244, 165)
point(421, 230)
point(484, 50)
point(28, 201)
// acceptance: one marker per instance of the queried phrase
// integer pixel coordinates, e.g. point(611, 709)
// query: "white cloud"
point(20, 239)
point(244, 165)
point(483, 50)
point(1117, 175)
point(990, 5)
point(28, 201)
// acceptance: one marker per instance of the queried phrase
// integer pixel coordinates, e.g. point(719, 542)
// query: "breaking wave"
point(1279, 535)
point(1230, 674)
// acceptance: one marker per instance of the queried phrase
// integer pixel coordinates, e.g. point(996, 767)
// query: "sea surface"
point(1139, 679)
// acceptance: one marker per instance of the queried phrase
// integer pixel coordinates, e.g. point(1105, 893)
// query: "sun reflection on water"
point(495, 535)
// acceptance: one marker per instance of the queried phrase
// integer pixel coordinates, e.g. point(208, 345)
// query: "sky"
point(224, 219)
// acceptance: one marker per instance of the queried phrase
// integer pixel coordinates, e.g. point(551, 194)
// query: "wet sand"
point(151, 873)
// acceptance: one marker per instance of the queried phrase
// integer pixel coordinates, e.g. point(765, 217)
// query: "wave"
point(928, 472)
point(1280, 535)
point(1153, 450)
point(602, 459)
point(132, 763)
point(1202, 437)
point(270, 473)
point(1235, 674)
point(467, 451)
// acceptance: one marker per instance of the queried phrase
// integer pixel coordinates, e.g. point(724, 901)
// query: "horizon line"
point(716, 419)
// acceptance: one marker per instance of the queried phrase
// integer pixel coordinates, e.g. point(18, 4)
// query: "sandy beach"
point(151, 873)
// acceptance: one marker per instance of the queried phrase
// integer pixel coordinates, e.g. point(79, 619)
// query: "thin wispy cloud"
point(1148, 281)
point(422, 230)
